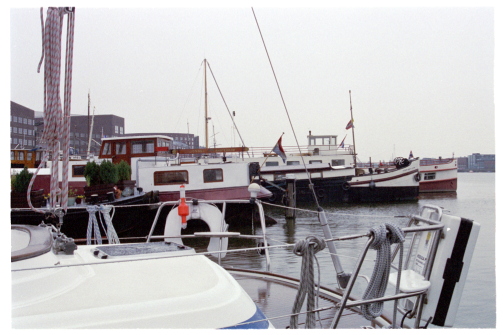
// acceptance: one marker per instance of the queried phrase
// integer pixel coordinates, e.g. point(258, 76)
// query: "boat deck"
point(275, 295)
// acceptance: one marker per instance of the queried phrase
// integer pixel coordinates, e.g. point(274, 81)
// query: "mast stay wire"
point(225, 103)
point(342, 277)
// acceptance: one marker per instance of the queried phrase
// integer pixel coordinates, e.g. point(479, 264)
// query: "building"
point(27, 127)
point(482, 162)
point(22, 127)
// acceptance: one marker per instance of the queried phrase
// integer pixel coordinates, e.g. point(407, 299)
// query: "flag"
point(411, 155)
point(350, 124)
point(278, 149)
point(342, 143)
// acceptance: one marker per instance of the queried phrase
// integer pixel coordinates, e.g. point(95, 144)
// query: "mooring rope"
point(379, 279)
point(307, 249)
point(92, 225)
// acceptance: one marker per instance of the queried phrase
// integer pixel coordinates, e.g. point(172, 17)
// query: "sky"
point(421, 78)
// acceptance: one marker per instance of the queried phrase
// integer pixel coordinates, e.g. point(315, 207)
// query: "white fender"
point(206, 212)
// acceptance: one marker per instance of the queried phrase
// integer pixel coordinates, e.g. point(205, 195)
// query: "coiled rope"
point(92, 225)
point(377, 285)
point(307, 249)
point(56, 121)
point(112, 236)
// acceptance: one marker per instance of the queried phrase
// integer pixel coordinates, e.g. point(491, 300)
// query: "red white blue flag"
point(342, 143)
point(278, 149)
point(350, 124)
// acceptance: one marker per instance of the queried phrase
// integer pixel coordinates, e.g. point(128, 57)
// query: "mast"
point(352, 128)
point(205, 106)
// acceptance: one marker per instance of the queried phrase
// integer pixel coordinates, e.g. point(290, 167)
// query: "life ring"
point(417, 177)
point(320, 193)
point(346, 186)
point(208, 213)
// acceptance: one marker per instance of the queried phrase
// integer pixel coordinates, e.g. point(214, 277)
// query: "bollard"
point(291, 197)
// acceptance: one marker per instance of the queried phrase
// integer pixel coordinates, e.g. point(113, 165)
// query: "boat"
point(336, 178)
point(438, 175)
point(164, 283)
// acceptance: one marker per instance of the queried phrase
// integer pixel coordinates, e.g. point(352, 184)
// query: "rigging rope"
point(56, 120)
point(307, 249)
point(379, 279)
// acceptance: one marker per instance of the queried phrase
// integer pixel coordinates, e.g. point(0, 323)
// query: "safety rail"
point(433, 225)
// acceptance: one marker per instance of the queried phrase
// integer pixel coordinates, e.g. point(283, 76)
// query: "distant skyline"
point(421, 79)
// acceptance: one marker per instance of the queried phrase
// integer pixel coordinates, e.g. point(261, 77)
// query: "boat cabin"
point(124, 148)
point(21, 158)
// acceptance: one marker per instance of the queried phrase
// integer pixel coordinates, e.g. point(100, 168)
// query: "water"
point(475, 199)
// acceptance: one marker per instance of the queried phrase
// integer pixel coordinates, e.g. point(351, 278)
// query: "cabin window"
point(213, 175)
point(315, 161)
point(293, 163)
point(120, 148)
point(337, 162)
point(140, 147)
point(271, 163)
point(106, 149)
point(78, 170)
point(12, 155)
point(21, 155)
point(171, 177)
point(429, 176)
point(29, 156)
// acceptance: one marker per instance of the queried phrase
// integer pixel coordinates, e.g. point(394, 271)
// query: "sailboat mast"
point(353, 127)
point(205, 105)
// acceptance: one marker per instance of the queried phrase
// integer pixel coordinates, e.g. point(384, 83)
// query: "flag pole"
point(352, 128)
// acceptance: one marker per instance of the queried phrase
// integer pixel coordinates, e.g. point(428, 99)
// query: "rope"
point(112, 236)
point(307, 249)
point(56, 124)
point(92, 224)
point(378, 281)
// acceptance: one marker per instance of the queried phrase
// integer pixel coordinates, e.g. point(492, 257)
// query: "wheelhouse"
point(21, 158)
point(124, 148)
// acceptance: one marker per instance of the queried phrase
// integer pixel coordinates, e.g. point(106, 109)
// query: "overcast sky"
point(421, 79)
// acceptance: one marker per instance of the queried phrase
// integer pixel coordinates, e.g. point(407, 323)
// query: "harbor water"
point(475, 199)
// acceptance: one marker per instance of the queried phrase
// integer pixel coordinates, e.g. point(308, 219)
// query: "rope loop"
point(384, 236)
point(301, 246)
point(307, 249)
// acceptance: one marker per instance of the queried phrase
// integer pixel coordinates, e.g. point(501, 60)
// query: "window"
point(293, 163)
point(121, 130)
point(146, 146)
point(15, 130)
point(106, 148)
point(213, 175)
point(116, 129)
point(78, 170)
point(429, 175)
point(120, 148)
point(271, 163)
point(12, 155)
point(29, 156)
point(171, 177)
point(15, 118)
point(21, 155)
point(337, 162)
point(315, 161)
